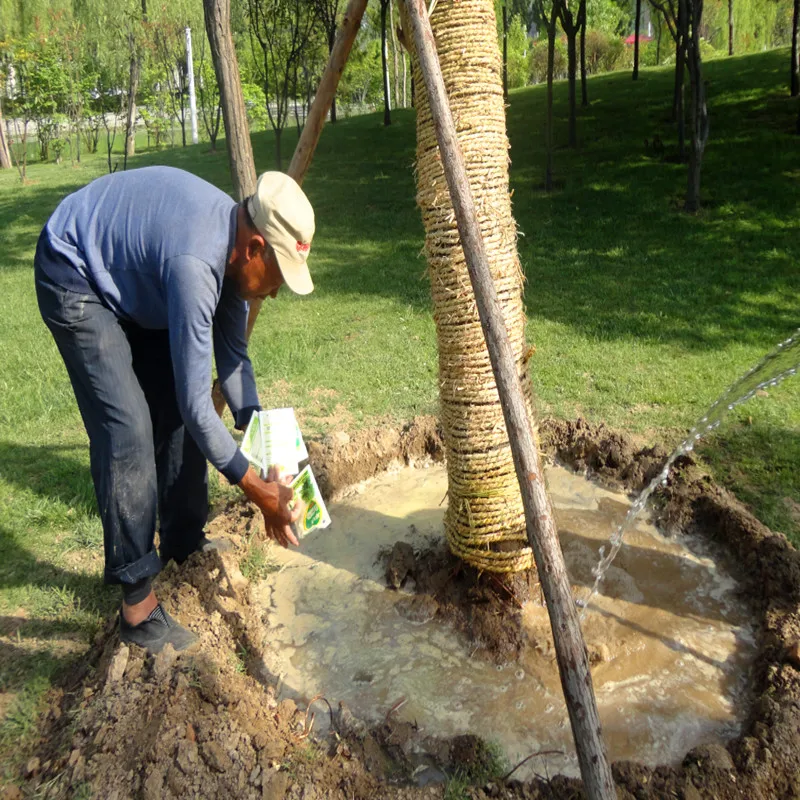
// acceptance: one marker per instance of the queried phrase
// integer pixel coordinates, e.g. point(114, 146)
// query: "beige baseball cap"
point(281, 212)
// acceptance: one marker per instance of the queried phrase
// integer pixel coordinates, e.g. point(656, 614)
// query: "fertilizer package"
point(273, 439)
point(314, 514)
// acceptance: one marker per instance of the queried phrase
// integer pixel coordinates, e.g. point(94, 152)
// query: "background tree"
point(730, 27)
point(794, 82)
point(280, 31)
point(571, 22)
point(693, 14)
point(170, 51)
point(674, 13)
point(387, 103)
point(549, 12)
point(208, 95)
point(328, 15)
point(636, 32)
point(582, 23)
point(134, 35)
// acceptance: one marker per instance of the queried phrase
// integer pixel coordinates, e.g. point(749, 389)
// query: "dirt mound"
point(207, 724)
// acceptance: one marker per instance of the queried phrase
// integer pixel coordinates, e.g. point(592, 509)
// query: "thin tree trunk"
point(505, 52)
point(226, 67)
point(636, 29)
point(405, 80)
point(658, 40)
point(693, 10)
point(730, 27)
point(572, 66)
point(331, 43)
point(680, 111)
point(190, 77)
point(465, 249)
point(584, 87)
point(548, 135)
point(387, 115)
point(678, 85)
point(133, 88)
point(5, 155)
point(394, 55)
point(795, 78)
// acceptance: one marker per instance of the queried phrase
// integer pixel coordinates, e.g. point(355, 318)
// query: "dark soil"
point(208, 725)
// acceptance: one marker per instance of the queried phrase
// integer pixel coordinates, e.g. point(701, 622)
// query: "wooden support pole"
point(576, 680)
point(312, 130)
point(326, 91)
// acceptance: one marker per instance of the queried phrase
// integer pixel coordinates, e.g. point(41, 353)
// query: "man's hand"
point(273, 499)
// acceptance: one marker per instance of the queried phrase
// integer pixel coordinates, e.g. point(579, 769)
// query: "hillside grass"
point(641, 315)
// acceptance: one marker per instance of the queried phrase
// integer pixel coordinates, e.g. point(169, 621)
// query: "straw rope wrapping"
point(485, 521)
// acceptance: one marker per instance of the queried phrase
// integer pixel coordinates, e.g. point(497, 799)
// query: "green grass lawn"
point(641, 316)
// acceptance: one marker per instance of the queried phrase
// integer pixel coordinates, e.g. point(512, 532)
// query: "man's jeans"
point(143, 460)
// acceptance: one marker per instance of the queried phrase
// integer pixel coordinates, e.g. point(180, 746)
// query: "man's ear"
point(256, 245)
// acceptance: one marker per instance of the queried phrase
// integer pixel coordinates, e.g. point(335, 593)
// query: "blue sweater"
point(153, 245)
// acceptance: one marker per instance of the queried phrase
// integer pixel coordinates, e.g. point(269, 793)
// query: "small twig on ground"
point(396, 707)
point(528, 758)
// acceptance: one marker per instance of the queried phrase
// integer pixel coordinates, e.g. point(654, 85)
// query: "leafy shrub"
point(539, 60)
point(606, 52)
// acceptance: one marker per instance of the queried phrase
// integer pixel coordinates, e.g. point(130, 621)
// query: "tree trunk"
point(387, 114)
point(572, 58)
point(226, 67)
point(548, 129)
point(730, 27)
point(394, 55)
point(133, 88)
point(505, 52)
point(5, 155)
point(699, 111)
point(584, 87)
point(405, 80)
point(485, 514)
point(350, 24)
point(636, 29)
point(678, 85)
point(658, 40)
point(795, 79)
point(331, 42)
point(190, 77)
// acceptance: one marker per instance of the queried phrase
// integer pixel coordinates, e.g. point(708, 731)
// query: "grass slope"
point(640, 315)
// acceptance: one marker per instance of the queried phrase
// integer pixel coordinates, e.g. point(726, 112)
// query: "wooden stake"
point(345, 36)
point(576, 680)
point(312, 130)
point(326, 91)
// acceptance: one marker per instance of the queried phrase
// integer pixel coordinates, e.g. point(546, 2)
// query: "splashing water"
point(780, 363)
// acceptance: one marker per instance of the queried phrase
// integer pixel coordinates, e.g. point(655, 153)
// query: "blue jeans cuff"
point(145, 567)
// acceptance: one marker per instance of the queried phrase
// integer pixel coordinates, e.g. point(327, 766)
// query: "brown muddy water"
point(670, 641)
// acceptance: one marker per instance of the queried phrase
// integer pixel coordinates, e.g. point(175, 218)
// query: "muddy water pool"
point(670, 641)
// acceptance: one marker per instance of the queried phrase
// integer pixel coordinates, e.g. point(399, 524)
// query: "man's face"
point(260, 276)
